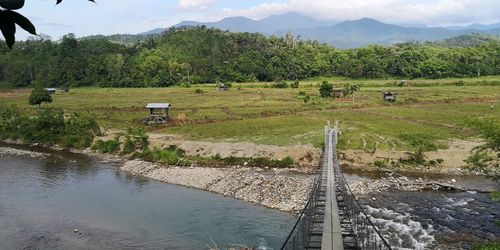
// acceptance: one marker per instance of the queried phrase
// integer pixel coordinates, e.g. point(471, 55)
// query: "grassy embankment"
point(253, 112)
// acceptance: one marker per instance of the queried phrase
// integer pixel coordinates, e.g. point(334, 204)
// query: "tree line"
point(203, 55)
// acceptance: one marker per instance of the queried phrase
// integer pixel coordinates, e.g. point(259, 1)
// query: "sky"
point(133, 16)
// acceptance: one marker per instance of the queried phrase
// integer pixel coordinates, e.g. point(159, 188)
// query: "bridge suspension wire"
point(333, 218)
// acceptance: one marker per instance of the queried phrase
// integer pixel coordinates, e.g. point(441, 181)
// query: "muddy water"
point(43, 201)
point(432, 219)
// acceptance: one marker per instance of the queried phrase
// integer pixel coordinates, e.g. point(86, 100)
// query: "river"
point(42, 202)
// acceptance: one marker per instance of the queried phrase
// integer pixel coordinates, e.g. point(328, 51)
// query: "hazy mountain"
point(269, 25)
point(476, 26)
point(288, 21)
point(362, 32)
point(347, 34)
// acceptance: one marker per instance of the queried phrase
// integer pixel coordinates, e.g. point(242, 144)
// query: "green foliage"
point(422, 142)
point(350, 89)
point(478, 161)
point(280, 85)
point(38, 96)
point(171, 155)
point(487, 155)
point(107, 147)
point(79, 131)
point(489, 129)
point(495, 196)
point(381, 163)
point(186, 56)
point(295, 84)
point(48, 126)
point(217, 157)
point(326, 89)
point(198, 92)
point(488, 246)
point(9, 20)
point(135, 139)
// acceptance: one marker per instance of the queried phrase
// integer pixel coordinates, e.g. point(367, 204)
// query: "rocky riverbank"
point(274, 188)
point(20, 152)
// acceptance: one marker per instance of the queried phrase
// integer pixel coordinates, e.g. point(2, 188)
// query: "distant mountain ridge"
point(346, 34)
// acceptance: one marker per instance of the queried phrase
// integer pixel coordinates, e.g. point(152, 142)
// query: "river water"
point(432, 219)
point(42, 202)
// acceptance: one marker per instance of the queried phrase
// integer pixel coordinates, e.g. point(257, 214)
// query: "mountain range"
point(346, 34)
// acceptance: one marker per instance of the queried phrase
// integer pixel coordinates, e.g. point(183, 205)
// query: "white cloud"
point(194, 5)
point(430, 12)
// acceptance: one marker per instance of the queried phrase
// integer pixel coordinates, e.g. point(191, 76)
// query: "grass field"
point(256, 113)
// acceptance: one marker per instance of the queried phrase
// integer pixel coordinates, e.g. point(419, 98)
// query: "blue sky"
point(132, 16)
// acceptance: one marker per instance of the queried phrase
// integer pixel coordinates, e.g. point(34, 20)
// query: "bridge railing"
point(366, 233)
point(299, 236)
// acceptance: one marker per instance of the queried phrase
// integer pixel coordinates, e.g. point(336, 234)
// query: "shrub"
point(381, 163)
point(487, 246)
point(280, 85)
point(171, 155)
point(198, 92)
point(326, 89)
point(49, 127)
point(217, 157)
point(295, 84)
point(419, 141)
point(38, 96)
point(79, 131)
point(302, 93)
point(495, 196)
point(128, 146)
point(107, 147)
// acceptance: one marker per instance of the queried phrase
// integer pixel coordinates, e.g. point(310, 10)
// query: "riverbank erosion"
point(275, 188)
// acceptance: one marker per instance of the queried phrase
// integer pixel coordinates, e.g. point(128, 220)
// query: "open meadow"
point(255, 112)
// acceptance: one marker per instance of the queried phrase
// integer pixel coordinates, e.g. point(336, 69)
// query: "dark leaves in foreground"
point(9, 19)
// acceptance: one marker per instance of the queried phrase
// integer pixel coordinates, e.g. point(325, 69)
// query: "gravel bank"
point(20, 152)
point(275, 189)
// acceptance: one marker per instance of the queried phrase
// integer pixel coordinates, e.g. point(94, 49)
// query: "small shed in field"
point(51, 90)
point(338, 92)
point(389, 96)
point(158, 113)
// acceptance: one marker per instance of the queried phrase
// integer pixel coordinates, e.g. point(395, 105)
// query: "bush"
point(381, 163)
point(136, 139)
point(295, 84)
point(419, 141)
point(38, 96)
point(49, 127)
point(79, 131)
point(280, 85)
point(302, 93)
point(171, 155)
point(107, 147)
point(326, 89)
point(217, 157)
point(198, 92)
point(487, 246)
point(495, 196)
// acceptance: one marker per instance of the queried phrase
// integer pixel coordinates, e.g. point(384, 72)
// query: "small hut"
point(389, 96)
point(338, 92)
point(51, 90)
point(158, 113)
point(223, 86)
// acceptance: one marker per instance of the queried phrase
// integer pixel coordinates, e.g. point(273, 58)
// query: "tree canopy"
point(202, 55)
point(38, 96)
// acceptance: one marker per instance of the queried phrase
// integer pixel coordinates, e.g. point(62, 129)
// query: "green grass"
point(274, 116)
point(488, 246)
